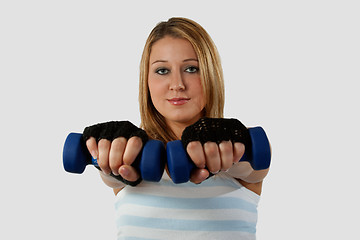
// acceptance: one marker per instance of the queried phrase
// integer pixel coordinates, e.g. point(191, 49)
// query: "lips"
point(178, 101)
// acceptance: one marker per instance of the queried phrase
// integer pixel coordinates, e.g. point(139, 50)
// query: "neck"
point(177, 128)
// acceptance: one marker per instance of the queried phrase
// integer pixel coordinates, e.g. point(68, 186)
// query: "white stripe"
point(221, 206)
point(220, 214)
point(186, 192)
point(181, 192)
point(145, 233)
point(188, 203)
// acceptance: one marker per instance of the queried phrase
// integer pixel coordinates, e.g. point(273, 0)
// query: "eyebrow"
point(186, 60)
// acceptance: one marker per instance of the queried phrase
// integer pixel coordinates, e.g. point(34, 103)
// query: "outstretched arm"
point(224, 157)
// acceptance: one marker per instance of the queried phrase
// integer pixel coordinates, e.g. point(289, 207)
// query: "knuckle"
point(198, 161)
point(214, 169)
point(193, 146)
point(115, 164)
point(91, 143)
point(118, 144)
point(136, 142)
point(104, 144)
point(196, 153)
point(213, 161)
point(131, 173)
point(211, 148)
point(104, 166)
point(239, 148)
point(132, 150)
point(226, 165)
point(225, 146)
point(103, 160)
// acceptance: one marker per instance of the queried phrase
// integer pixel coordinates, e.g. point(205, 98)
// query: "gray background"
point(290, 66)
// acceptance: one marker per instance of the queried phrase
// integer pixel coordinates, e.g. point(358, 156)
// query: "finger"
point(103, 160)
point(132, 150)
point(212, 157)
point(196, 153)
point(129, 173)
point(116, 154)
point(239, 150)
point(226, 155)
point(92, 147)
point(199, 175)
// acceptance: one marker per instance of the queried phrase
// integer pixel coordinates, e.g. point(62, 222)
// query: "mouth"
point(178, 101)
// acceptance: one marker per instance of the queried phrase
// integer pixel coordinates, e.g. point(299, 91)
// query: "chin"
point(184, 119)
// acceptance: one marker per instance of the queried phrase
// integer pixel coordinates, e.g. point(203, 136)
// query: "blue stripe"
point(187, 203)
point(187, 225)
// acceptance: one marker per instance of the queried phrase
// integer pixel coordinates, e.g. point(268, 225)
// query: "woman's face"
point(174, 81)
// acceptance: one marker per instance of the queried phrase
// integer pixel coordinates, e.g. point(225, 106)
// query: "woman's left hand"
point(213, 157)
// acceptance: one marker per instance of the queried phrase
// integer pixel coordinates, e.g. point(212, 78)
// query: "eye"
point(192, 69)
point(162, 71)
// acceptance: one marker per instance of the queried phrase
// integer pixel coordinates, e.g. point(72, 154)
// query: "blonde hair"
point(210, 73)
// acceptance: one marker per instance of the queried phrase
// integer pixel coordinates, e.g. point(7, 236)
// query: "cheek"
point(155, 89)
point(200, 93)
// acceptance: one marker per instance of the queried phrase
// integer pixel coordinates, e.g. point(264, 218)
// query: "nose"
point(176, 82)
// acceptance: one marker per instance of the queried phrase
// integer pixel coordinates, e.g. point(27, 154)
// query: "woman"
point(181, 82)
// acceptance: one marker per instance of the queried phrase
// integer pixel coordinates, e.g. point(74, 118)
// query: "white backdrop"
point(290, 66)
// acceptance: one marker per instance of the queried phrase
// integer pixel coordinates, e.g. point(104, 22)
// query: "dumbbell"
point(180, 166)
point(150, 162)
point(152, 158)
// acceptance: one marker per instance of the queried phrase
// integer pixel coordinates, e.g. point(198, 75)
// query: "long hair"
point(211, 75)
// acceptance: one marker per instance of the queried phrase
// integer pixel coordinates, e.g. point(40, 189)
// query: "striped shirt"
point(218, 208)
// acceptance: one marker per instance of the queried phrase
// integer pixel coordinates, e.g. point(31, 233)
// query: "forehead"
point(169, 48)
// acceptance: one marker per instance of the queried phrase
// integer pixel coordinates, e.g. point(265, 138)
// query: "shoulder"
point(117, 190)
point(254, 187)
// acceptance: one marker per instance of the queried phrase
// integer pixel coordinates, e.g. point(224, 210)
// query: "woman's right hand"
point(116, 156)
